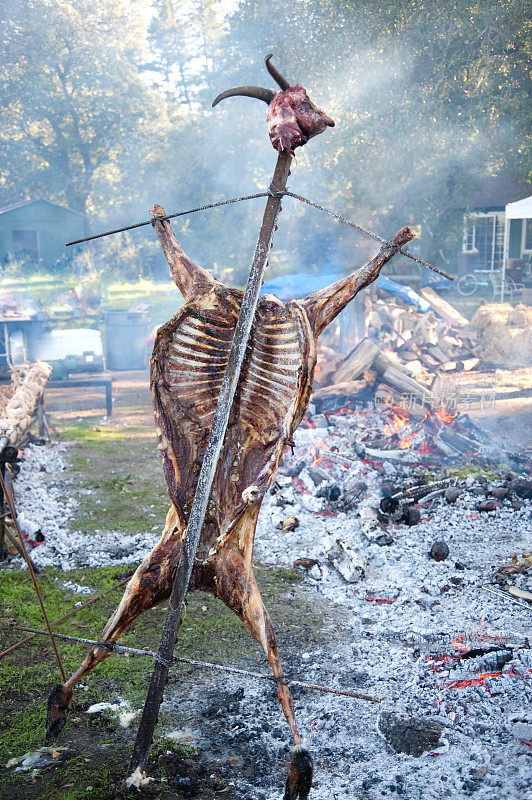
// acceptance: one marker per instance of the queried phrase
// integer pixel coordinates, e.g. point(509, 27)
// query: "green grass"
point(95, 435)
point(209, 632)
point(120, 486)
point(477, 472)
point(163, 296)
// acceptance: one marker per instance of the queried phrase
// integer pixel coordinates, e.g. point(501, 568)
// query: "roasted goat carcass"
point(187, 367)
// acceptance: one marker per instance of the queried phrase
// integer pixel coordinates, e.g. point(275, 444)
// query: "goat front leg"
point(149, 586)
point(236, 585)
point(191, 279)
point(324, 305)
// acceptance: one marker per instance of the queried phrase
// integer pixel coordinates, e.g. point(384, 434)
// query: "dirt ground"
point(218, 724)
point(114, 469)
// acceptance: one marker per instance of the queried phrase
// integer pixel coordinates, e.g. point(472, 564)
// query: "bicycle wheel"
point(467, 284)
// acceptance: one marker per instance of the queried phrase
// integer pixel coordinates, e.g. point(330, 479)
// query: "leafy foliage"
point(108, 110)
point(77, 115)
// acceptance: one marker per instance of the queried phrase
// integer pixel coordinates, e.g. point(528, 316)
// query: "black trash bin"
point(125, 339)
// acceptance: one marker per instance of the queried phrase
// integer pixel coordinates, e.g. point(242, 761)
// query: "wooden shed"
point(35, 231)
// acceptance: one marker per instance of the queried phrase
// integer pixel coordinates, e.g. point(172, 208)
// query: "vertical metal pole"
point(493, 234)
point(42, 417)
point(2, 512)
point(505, 252)
point(196, 518)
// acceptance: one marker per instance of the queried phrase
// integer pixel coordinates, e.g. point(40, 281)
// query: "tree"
point(77, 118)
point(429, 97)
point(169, 38)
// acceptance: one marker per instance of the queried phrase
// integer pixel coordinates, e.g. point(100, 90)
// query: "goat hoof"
point(58, 702)
point(299, 780)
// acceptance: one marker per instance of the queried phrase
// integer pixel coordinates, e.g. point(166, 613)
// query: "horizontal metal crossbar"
point(299, 197)
point(366, 232)
point(168, 216)
point(117, 648)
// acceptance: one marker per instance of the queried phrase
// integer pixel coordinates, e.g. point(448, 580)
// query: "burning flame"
point(398, 419)
point(445, 416)
point(316, 457)
point(404, 444)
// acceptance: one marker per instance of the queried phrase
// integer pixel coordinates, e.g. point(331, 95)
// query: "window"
point(484, 237)
point(527, 244)
point(468, 244)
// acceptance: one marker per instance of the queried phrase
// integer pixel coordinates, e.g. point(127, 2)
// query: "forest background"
point(106, 108)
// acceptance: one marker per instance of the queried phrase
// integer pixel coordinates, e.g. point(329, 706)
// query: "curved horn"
point(278, 78)
point(246, 91)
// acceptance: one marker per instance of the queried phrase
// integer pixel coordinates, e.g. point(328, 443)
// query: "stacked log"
point(438, 340)
point(19, 400)
point(409, 353)
point(390, 382)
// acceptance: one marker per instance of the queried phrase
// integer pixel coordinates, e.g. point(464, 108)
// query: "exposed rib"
point(216, 321)
point(283, 335)
point(204, 333)
point(195, 343)
point(286, 371)
point(275, 379)
point(201, 358)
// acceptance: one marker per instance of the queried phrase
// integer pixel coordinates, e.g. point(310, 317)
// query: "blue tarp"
point(288, 287)
point(405, 293)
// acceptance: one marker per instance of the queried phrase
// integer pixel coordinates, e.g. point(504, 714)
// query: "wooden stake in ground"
point(286, 133)
point(196, 520)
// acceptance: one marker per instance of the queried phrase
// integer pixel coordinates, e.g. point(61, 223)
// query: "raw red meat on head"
point(293, 119)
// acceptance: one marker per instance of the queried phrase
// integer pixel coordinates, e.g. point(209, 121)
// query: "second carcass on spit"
point(187, 367)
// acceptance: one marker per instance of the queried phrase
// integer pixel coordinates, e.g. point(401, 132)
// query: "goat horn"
point(278, 78)
point(246, 91)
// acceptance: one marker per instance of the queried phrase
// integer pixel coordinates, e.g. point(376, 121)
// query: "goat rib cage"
point(187, 367)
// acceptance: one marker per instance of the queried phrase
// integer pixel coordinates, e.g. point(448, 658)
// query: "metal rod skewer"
point(207, 665)
point(168, 216)
point(198, 511)
point(299, 197)
point(367, 232)
point(64, 617)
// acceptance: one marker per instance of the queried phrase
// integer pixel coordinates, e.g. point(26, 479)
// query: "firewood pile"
point(504, 334)
point(407, 354)
point(18, 400)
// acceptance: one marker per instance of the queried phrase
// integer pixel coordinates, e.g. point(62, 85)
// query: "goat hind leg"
point(149, 586)
point(237, 587)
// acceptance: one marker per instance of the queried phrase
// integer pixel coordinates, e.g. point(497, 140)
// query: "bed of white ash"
point(46, 503)
point(443, 646)
point(442, 643)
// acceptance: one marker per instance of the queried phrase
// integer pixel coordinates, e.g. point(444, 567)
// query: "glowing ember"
point(459, 643)
point(372, 598)
point(478, 681)
point(426, 448)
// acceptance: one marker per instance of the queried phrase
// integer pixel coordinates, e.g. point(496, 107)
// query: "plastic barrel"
point(125, 337)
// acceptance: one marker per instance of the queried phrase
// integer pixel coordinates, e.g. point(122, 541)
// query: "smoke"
point(408, 146)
